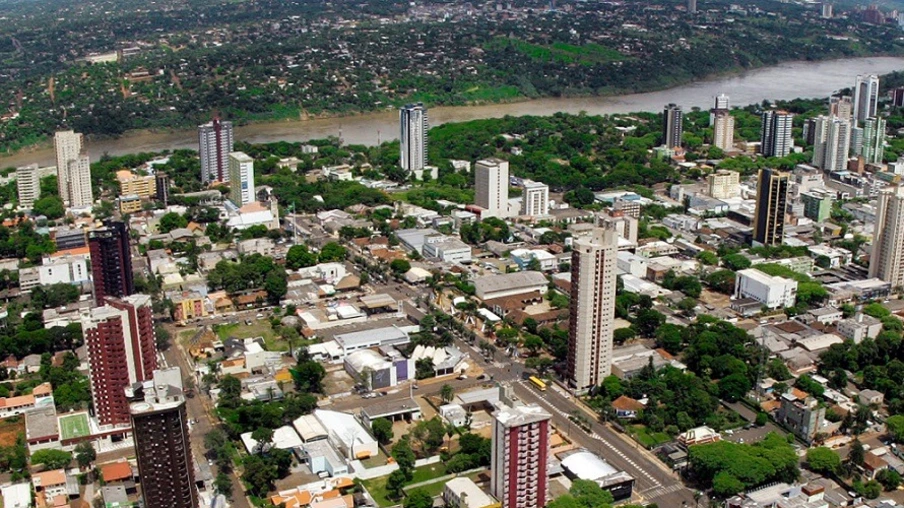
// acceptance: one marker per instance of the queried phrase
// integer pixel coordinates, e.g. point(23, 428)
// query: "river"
point(781, 82)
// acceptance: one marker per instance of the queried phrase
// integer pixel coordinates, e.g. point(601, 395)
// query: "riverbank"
point(790, 80)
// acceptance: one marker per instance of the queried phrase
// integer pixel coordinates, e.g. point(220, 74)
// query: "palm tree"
point(447, 392)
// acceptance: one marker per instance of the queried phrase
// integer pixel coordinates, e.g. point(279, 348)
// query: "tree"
point(732, 388)
point(223, 484)
point(895, 427)
point(308, 376)
point(418, 498)
point(50, 207)
point(708, 258)
point(299, 256)
point(396, 483)
point(539, 363)
point(259, 474)
point(736, 262)
point(264, 438)
point(52, 459)
point(533, 344)
point(332, 252)
point(621, 335)
point(404, 455)
point(823, 460)
point(648, 321)
point(446, 393)
point(85, 454)
point(400, 266)
point(423, 368)
point(889, 478)
point(382, 429)
point(857, 454)
point(726, 485)
point(761, 419)
point(162, 337)
point(171, 221)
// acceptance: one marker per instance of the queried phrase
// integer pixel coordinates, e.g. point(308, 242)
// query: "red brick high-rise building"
point(111, 261)
point(122, 350)
point(520, 456)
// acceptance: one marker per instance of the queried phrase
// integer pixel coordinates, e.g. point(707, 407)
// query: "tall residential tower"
point(28, 185)
point(215, 140)
point(831, 143)
point(866, 97)
point(771, 199)
point(887, 259)
point(491, 186)
point(775, 133)
point(111, 260)
point(241, 179)
point(520, 457)
point(672, 125)
point(413, 137)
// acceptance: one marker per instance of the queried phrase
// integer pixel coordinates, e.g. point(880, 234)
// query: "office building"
point(161, 187)
point(842, 107)
point(723, 129)
point(119, 336)
point(162, 442)
point(771, 292)
point(241, 179)
point(672, 126)
point(491, 184)
point(775, 133)
point(817, 204)
point(520, 456)
point(866, 97)
point(534, 199)
point(803, 415)
point(873, 146)
point(111, 261)
point(68, 146)
point(28, 185)
point(771, 199)
point(723, 184)
point(887, 259)
point(592, 310)
point(831, 143)
point(897, 97)
point(215, 140)
point(413, 137)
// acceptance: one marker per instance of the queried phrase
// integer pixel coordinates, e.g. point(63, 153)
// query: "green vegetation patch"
point(74, 426)
point(648, 438)
point(587, 54)
point(377, 486)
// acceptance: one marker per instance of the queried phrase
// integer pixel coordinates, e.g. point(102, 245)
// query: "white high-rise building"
point(68, 146)
point(593, 262)
point(723, 184)
point(720, 102)
point(831, 143)
point(866, 97)
point(534, 199)
point(873, 147)
point(842, 107)
point(672, 126)
point(491, 186)
point(79, 173)
point(215, 141)
point(723, 129)
point(413, 137)
point(241, 178)
point(887, 259)
point(519, 463)
point(28, 185)
point(775, 133)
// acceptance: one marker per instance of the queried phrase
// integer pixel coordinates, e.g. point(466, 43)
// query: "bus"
point(538, 383)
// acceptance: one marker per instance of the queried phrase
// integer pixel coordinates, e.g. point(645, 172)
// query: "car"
point(462, 377)
point(482, 377)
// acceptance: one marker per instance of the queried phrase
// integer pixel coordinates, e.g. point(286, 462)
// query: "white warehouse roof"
point(587, 466)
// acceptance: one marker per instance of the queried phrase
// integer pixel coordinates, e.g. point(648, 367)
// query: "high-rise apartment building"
point(79, 174)
point(672, 125)
point(519, 463)
point(241, 179)
point(534, 199)
point(111, 260)
point(841, 106)
point(866, 97)
point(119, 336)
point(68, 146)
point(826, 11)
point(721, 101)
point(831, 143)
point(413, 127)
point(775, 133)
point(856, 137)
point(887, 259)
point(873, 147)
point(723, 184)
point(162, 187)
point(162, 442)
point(215, 141)
point(723, 129)
point(691, 6)
point(491, 186)
point(28, 185)
point(771, 200)
point(817, 204)
point(593, 261)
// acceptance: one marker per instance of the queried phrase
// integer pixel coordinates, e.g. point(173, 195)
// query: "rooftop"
point(587, 466)
point(521, 415)
point(508, 281)
point(471, 495)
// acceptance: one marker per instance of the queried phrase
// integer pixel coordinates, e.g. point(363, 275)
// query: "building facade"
point(723, 184)
point(81, 193)
point(137, 185)
point(241, 179)
point(111, 260)
point(592, 310)
point(817, 204)
point(775, 133)
point(887, 259)
point(831, 143)
point(534, 199)
point(772, 292)
point(723, 129)
point(771, 199)
point(163, 445)
point(803, 416)
point(215, 141)
point(122, 350)
point(491, 187)
point(413, 127)
point(68, 146)
point(672, 125)
point(28, 185)
point(873, 147)
point(842, 107)
point(866, 97)
point(520, 457)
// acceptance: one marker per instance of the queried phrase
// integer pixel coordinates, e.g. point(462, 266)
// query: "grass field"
point(73, 426)
point(646, 438)
point(10, 428)
point(377, 486)
point(257, 328)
